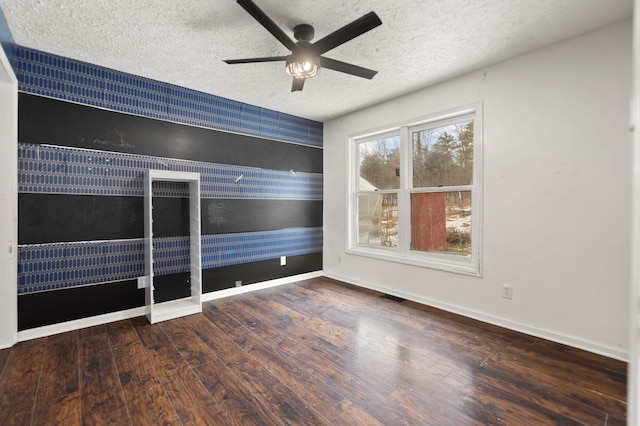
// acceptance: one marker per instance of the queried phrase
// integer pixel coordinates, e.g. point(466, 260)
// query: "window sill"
point(440, 262)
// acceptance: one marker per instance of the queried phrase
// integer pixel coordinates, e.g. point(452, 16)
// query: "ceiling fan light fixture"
point(306, 57)
point(302, 65)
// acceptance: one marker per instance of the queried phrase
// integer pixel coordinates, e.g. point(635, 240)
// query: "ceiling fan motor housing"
point(303, 32)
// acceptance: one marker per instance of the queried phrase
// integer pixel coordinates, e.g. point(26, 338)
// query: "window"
point(378, 186)
point(415, 193)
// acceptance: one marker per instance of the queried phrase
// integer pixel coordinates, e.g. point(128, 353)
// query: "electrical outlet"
point(239, 283)
point(339, 258)
point(143, 282)
point(283, 260)
point(507, 292)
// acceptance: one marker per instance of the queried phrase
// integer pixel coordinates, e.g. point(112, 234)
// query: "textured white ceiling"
point(420, 42)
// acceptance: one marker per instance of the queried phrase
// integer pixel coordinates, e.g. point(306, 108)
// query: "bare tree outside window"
point(379, 165)
point(442, 157)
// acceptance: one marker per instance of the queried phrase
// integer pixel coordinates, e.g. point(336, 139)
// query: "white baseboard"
point(576, 342)
point(220, 294)
point(63, 327)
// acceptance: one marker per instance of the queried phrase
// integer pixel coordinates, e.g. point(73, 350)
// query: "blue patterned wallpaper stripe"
point(43, 267)
point(61, 170)
point(54, 76)
point(244, 247)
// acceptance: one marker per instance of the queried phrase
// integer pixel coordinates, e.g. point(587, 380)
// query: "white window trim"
point(402, 254)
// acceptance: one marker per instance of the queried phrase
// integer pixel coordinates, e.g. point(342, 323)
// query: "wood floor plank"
point(246, 311)
point(252, 320)
point(424, 409)
point(492, 397)
point(95, 343)
point(357, 313)
point(149, 334)
point(122, 333)
point(147, 402)
point(85, 333)
point(13, 418)
point(346, 412)
point(4, 355)
point(182, 333)
point(285, 402)
point(381, 351)
point(521, 370)
point(615, 421)
point(192, 401)
point(102, 398)
point(61, 411)
point(557, 363)
point(308, 378)
point(335, 334)
point(19, 380)
point(220, 343)
point(220, 318)
point(315, 378)
point(60, 367)
point(239, 404)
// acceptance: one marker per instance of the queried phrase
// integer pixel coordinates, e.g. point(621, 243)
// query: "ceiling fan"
point(306, 58)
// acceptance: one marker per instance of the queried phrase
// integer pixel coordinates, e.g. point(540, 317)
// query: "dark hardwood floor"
point(316, 352)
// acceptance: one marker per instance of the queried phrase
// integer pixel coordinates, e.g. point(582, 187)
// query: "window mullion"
point(443, 189)
point(404, 200)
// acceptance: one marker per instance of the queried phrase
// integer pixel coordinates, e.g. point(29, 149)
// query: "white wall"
point(633, 378)
point(556, 193)
point(8, 203)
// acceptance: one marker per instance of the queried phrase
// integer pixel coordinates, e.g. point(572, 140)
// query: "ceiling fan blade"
point(344, 67)
point(266, 22)
point(346, 33)
point(252, 60)
point(297, 85)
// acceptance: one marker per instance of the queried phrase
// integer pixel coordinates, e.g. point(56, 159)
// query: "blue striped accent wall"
point(55, 169)
point(45, 74)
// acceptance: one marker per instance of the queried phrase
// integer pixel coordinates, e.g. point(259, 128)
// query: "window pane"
point(443, 156)
point(441, 222)
point(379, 164)
point(378, 220)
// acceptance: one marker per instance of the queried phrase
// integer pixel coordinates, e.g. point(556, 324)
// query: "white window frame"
point(468, 265)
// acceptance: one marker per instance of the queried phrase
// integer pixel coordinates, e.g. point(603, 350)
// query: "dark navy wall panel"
point(229, 216)
point(50, 121)
point(51, 307)
point(171, 287)
point(226, 276)
point(48, 218)
point(51, 218)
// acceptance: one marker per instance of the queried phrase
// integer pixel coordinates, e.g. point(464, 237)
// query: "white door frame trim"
point(8, 203)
